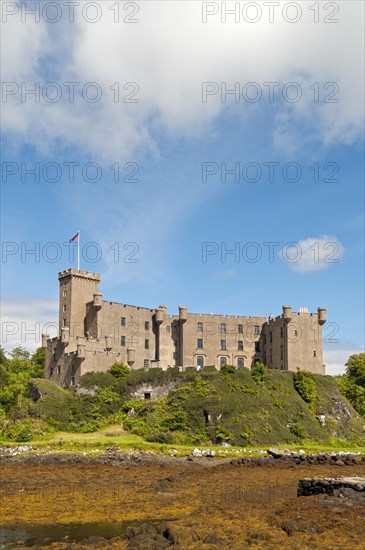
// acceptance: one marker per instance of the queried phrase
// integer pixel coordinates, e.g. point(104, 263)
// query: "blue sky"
point(167, 137)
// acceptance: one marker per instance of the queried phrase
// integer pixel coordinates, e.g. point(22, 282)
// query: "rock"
point(197, 453)
point(340, 463)
point(212, 539)
point(278, 453)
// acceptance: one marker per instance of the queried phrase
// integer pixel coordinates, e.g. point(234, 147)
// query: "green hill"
point(238, 407)
point(232, 407)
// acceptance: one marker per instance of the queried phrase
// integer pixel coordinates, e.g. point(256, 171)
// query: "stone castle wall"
point(95, 333)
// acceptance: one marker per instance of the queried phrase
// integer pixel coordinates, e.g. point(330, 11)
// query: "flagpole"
point(78, 251)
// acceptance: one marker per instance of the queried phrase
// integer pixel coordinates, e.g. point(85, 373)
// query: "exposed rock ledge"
point(341, 486)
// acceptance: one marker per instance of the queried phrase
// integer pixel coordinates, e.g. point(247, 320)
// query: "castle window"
point(270, 336)
point(58, 370)
point(51, 371)
point(200, 361)
point(168, 328)
point(122, 321)
point(175, 343)
point(199, 343)
point(146, 364)
point(147, 395)
point(64, 293)
point(240, 362)
point(295, 332)
point(199, 327)
point(257, 346)
point(146, 344)
point(72, 381)
point(281, 332)
point(223, 327)
point(314, 353)
point(174, 328)
point(281, 353)
point(240, 329)
point(147, 325)
point(122, 340)
point(65, 322)
point(64, 307)
point(257, 329)
point(174, 355)
point(240, 345)
point(224, 344)
point(222, 361)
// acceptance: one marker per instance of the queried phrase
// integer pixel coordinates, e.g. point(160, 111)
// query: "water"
point(28, 534)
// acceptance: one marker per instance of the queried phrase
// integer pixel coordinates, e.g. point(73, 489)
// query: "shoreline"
point(116, 456)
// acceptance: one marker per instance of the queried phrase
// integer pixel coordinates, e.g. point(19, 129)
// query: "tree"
point(119, 371)
point(39, 360)
point(3, 359)
point(356, 369)
point(20, 353)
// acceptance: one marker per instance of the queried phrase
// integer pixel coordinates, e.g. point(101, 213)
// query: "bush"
point(158, 436)
point(298, 431)
point(97, 379)
point(258, 373)
point(120, 371)
point(228, 369)
point(305, 385)
point(26, 430)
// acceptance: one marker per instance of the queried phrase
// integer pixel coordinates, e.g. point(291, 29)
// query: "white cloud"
point(169, 53)
point(23, 322)
point(335, 359)
point(312, 254)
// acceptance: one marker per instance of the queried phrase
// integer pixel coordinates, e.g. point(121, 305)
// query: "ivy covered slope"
point(240, 407)
point(248, 408)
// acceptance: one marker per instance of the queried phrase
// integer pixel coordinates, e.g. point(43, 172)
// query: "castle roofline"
point(79, 273)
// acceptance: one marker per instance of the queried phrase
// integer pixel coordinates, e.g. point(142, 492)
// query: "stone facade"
point(94, 334)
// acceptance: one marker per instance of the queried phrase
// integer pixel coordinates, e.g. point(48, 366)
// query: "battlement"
point(79, 274)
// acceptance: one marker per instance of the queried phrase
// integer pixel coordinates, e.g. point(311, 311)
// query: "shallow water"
point(30, 535)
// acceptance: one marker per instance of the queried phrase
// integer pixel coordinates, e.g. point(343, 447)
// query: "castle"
point(95, 333)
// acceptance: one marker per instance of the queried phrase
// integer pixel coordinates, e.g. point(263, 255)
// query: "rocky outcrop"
point(277, 456)
point(332, 486)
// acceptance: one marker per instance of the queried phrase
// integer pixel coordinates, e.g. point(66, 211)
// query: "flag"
point(75, 238)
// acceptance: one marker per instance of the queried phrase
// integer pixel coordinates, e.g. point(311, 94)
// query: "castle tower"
point(77, 288)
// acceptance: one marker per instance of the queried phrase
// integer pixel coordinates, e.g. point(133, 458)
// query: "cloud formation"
point(169, 53)
point(313, 254)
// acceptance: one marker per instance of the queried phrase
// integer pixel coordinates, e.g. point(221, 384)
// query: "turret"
point(182, 314)
point(131, 356)
point(65, 335)
point(322, 315)
point(45, 338)
point(287, 313)
point(98, 300)
point(160, 315)
point(81, 350)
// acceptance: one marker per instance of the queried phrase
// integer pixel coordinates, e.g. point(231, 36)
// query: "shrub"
point(119, 371)
point(228, 369)
point(26, 430)
point(298, 430)
point(159, 436)
point(258, 373)
point(305, 385)
point(97, 379)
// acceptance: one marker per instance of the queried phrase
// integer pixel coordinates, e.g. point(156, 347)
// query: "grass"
point(115, 436)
